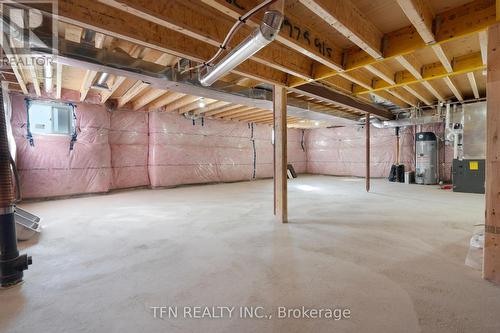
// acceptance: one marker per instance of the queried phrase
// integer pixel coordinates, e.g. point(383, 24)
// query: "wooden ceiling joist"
point(147, 98)
point(296, 33)
point(133, 91)
point(165, 99)
point(453, 88)
point(201, 22)
point(347, 19)
point(473, 84)
point(211, 107)
point(222, 110)
point(122, 25)
point(183, 101)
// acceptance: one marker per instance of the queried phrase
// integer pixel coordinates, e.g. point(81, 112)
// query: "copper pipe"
point(367, 129)
point(6, 183)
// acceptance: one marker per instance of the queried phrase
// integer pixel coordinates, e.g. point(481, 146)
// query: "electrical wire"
point(222, 47)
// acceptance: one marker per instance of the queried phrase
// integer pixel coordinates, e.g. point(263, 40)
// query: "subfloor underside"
point(394, 257)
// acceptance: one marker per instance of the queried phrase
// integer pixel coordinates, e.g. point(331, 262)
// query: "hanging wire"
point(222, 47)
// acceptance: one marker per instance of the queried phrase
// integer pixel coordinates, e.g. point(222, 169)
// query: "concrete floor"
point(394, 257)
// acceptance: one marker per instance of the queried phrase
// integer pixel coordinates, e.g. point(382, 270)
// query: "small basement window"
point(50, 118)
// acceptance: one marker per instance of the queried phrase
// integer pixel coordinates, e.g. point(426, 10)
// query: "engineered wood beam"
point(196, 105)
point(340, 100)
point(454, 24)
point(483, 44)
point(280, 154)
point(461, 65)
point(347, 19)
point(417, 95)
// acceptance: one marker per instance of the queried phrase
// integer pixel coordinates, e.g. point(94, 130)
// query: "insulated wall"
point(183, 152)
point(129, 143)
point(341, 151)
point(49, 168)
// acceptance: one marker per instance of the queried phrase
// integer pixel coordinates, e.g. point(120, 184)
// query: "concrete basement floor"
point(394, 257)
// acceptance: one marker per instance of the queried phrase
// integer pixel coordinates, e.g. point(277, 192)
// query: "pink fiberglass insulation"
point(218, 151)
point(341, 151)
point(183, 153)
point(50, 168)
point(128, 139)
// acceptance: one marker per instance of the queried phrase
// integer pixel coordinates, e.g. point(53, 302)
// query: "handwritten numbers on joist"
point(297, 33)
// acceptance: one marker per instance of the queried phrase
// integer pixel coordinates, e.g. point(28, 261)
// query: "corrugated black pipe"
point(12, 264)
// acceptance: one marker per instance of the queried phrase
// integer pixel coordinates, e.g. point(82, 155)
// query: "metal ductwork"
point(405, 122)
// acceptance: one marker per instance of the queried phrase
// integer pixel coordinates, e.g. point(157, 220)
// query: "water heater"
point(426, 158)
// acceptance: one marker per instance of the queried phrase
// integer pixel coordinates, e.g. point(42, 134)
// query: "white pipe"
point(47, 74)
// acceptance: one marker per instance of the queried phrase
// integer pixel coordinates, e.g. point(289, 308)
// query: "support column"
point(280, 154)
point(491, 261)
point(367, 134)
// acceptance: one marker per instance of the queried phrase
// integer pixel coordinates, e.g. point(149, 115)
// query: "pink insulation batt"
point(217, 151)
point(49, 168)
point(129, 140)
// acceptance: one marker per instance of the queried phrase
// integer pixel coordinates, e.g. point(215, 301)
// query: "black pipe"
point(12, 264)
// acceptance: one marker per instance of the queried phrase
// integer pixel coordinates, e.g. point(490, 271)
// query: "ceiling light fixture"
point(261, 36)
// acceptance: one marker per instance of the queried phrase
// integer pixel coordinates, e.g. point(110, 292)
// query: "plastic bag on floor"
point(474, 257)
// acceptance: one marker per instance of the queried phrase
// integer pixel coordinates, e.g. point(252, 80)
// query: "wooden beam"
point(214, 106)
point(164, 100)
point(183, 101)
point(222, 110)
point(204, 23)
point(196, 105)
point(433, 90)
point(367, 153)
point(147, 98)
point(15, 69)
point(491, 259)
point(453, 89)
point(461, 65)
point(258, 114)
point(438, 50)
point(347, 19)
point(88, 79)
point(382, 71)
point(324, 94)
point(402, 95)
point(104, 19)
point(34, 80)
point(483, 44)
point(59, 72)
point(116, 84)
point(454, 24)
point(297, 32)
point(420, 15)
point(473, 84)
point(240, 113)
point(417, 95)
point(280, 155)
point(135, 90)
